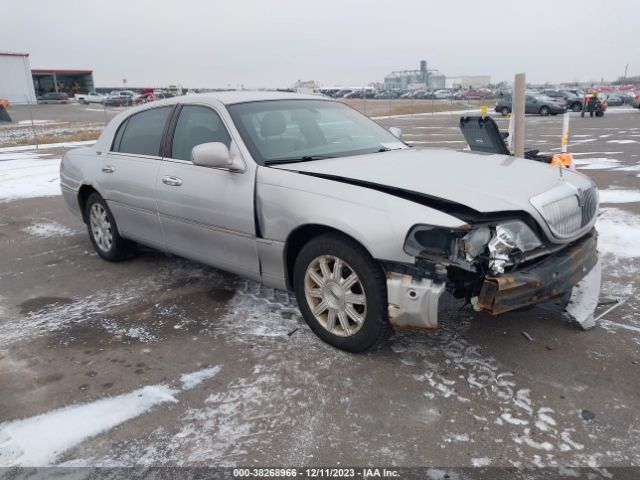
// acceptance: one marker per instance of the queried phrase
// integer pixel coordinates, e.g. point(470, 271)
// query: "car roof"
point(229, 98)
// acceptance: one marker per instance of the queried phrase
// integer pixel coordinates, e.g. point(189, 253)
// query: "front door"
point(206, 213)
point(127, 179)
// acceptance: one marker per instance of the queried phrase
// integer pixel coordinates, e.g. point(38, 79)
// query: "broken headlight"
point(496, 245)
point(434, 242)
point(508, 238)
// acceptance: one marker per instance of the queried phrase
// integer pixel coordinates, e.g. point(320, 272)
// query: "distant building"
point(16, 84)
point(305, 86)
point(468, 81)
point(436, 80)
point(20, 84)
point(407, 79)
point(69, 81)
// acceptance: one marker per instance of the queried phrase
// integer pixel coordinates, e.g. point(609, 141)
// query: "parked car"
point(387, 95)
point(567, 98)
point(342, 93)
point(475, 95)
point(613, 100)
point(120, 98)
point(307, 194)
point(535, 104)
point(626, 96)
point(636, 102)
point(87, 98)
point(441, 94)
point(54, 97)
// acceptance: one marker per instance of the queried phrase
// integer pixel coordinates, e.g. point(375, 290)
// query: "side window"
point(197, 125)
point(143, 132)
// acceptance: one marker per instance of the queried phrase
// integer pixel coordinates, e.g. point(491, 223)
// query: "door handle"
point(172, 181)
point(108, 169)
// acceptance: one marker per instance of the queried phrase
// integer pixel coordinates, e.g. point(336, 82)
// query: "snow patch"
point(39, 440)
point(481, 462)
point(45, 146)
point(615, 195)
point(49, 228)
point(29, 177)
point(456, 437)
point(190, 380)
point(599, 163)
point(618, 233)
point(622, 141)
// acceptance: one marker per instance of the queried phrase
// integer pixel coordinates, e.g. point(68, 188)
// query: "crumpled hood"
point(485, 183)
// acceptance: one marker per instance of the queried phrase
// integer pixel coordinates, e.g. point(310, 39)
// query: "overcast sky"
point(273, 43)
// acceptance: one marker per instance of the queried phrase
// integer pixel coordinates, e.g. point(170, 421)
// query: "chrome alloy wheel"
point(100, 227)
point(335, 295)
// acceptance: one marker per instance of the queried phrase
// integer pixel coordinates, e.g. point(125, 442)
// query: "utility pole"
point(624, 80)
point(517, 108)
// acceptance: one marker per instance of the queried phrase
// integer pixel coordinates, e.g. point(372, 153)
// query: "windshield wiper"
point(305, 158)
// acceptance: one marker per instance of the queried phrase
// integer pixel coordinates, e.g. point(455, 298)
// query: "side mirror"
point(214, 155)
point(396, 131)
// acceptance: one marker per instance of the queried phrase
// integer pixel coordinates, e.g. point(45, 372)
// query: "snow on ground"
point(190, 380)
point(437, 141)
point(576, 154)
point(618, 195)
point(622, 141)
point(48, 228)
point(29, 177)
point(45, 146)
point(38, 122)
point(38, 441)
point(596, 163)
point(618, 233)
point(425, 114)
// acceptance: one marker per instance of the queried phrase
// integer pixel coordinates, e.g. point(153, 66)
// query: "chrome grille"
point(564, 216)
point(589, 205)
point(569, 213)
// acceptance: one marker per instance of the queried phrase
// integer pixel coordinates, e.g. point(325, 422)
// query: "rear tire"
point(505, 111)
point(331, 270)
point(103, 231)
point(576, 107)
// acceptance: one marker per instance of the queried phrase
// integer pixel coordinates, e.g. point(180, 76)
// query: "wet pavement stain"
point(191, 309)
point(48, 379)
point(37, 304)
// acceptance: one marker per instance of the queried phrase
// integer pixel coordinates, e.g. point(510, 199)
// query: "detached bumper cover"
point(551, 278)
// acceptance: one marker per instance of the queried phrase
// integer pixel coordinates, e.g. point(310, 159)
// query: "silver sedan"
point(304, 193)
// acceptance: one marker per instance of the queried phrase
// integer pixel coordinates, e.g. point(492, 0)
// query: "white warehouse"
point(16, 82)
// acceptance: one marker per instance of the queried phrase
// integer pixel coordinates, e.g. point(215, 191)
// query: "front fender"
point(379, 221)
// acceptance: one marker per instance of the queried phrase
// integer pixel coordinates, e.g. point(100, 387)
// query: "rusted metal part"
point(414, 327)
point(551, 278)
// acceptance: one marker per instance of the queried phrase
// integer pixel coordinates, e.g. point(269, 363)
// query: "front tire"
point(103, 231)
point(544, 111)
point(505, 111)
point(341, 291)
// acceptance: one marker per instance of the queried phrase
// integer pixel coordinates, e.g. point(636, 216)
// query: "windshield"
point(301, 130)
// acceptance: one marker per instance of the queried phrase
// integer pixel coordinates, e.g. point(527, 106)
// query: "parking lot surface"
point(162, 361)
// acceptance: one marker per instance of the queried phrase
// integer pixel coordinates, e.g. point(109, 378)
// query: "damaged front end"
point(497, 268)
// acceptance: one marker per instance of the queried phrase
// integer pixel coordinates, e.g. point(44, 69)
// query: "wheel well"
point(298, 239)
point(83, 196)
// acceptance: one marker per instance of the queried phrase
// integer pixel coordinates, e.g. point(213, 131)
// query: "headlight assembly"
point(494, 245)
point(510, 237)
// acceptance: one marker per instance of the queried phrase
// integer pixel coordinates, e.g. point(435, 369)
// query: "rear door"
point(206, 213)
point(128, 175)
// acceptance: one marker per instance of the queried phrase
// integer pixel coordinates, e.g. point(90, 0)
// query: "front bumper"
point(551, 278)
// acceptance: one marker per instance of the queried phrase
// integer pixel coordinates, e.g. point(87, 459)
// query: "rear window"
point(142, 132)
